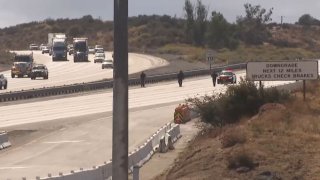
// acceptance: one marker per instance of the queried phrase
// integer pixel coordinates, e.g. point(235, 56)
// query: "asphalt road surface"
point(68, 72)
point(81, 126)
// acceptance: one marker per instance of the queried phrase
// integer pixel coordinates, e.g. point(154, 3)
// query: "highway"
point(68, 72)
point(80, 126)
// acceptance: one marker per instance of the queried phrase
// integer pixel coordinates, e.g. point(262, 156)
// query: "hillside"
point(280, 142)
point(163, 35)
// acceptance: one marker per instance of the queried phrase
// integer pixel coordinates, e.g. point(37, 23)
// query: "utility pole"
point(120, 92)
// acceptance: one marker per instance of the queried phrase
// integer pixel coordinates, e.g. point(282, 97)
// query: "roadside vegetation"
point(254, 134)
point(253, 37)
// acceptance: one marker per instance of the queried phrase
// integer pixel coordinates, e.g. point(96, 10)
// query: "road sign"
point(282, 71)
point(210, 56)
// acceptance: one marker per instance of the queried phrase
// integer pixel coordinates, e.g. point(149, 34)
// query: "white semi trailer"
point(57, 43)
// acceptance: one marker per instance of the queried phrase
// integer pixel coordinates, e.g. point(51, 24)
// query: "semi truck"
point(57, 43)
point(22, 65)
point(80, 49)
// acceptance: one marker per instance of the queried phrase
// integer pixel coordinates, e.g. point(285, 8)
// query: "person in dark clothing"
point(214, 76)
point(142, 79)
point(180, 78)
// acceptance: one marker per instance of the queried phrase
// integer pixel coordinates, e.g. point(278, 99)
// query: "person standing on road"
point(214, 78)
point(142, 79)
point(180, 78)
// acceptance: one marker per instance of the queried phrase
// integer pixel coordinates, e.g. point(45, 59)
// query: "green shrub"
point(240, 100)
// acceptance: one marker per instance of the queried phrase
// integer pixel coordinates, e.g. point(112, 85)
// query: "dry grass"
point(284, 141)
point(232, 137)
point(241, 158)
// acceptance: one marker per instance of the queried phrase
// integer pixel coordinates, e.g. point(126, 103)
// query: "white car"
point(98, 47)
point(108, 63)
point(99, 57)
point(91, 50)
point(99, 50)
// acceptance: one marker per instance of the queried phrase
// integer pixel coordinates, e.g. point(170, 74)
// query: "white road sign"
point(210, 55)
point(282, 71)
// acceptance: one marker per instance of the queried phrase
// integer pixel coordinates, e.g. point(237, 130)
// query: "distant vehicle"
point(39, 70)
point(22, 65)
point(45, 49)
point(91, 50)
point(108, 63)
point(59, 49)
point(33, 47)
point(99, 57)
point(42, 46)
point(70, 49)
point(227, 76)
point(3, 82)
point(99, 50)
point(80, 46)
point(52, 36)
point(98, 47)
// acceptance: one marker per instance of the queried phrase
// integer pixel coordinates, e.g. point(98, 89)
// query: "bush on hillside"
point(5, 57)
point(240, 100)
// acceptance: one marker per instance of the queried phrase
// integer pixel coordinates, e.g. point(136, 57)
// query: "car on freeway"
point(70, 49)
point(98, 57)
point(39, 70)
point(226, 76)
point(98, 47)
point(33, 47)
point(45, 49)
point(3, 82)
point(107, 63)
point(42, 46)
point(91, 50)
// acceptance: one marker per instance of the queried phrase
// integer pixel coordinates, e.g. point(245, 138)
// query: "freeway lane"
point(87, 141)
point(102, 102)
point(78, 145)
point(68, 72)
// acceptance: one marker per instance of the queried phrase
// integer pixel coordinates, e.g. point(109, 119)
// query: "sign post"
point(120, 92)
point(283, 71)
point(210, 57)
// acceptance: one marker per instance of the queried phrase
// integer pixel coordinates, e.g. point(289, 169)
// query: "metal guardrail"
point(83, 87)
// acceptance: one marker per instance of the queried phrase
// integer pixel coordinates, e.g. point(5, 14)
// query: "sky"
point(14, 12)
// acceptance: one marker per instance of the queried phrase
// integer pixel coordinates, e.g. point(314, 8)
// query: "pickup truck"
point(3, 82)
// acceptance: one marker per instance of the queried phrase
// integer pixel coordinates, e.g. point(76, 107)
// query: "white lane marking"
point(13, 167)
point(61, 142)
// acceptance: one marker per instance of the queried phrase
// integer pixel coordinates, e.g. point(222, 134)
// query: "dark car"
point(39, 70)
point(3, 82)
point(227, 76)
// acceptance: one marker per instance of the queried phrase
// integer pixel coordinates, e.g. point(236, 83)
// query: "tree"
point(221, 33)
point(196, 23)
point(200, 24)
point(253, 26)
point(308, 20)
point(189, 14)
